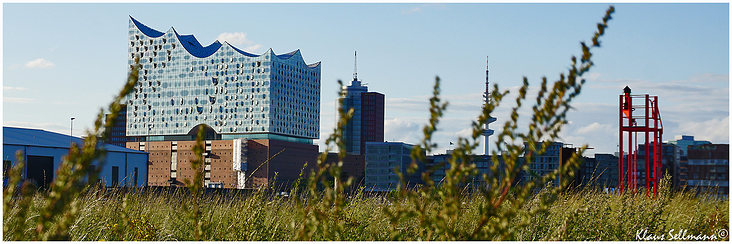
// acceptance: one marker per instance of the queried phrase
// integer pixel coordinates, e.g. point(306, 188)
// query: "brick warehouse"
point(227, 167)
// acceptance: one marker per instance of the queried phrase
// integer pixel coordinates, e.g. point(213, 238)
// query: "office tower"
point(367, 123)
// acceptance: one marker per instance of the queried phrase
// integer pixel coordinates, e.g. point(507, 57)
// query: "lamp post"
point(71, 139)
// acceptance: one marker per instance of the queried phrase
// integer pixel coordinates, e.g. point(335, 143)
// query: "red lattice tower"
point(639, 114)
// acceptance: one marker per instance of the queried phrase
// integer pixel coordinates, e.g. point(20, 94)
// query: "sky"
point(68, 60)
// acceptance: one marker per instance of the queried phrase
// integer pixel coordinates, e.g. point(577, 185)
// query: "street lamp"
point(72, 130)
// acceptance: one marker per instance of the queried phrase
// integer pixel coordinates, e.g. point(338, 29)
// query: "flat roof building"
point(44, 152)
point(381, 160)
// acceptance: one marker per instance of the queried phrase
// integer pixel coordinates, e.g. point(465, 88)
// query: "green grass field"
point(579, 215)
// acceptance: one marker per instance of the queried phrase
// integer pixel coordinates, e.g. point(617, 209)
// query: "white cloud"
point(407, 104)
point(252, 48)
point(39, 63)
point(714, 130)
point(10, 88)
point(17, 100)
point(595, 128)
point(592, 76)
point(707, 78)
point(238, 38)
point(403, 130)
point(464, 133)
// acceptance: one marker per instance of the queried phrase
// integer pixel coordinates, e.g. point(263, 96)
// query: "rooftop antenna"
point(355, 74)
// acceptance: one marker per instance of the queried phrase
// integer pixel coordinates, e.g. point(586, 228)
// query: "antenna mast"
point(355, 74)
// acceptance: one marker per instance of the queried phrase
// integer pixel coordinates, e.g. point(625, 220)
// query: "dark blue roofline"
point(146, 30)
point(191, 44)
point(288, 55)
point(243, 52)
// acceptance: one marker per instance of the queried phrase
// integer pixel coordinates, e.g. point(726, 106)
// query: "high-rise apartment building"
point(372, 118)
point(367, 123)
point(183, 84)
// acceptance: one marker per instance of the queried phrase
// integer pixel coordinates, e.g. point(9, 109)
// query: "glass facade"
point(352, 99)
point(183, 84)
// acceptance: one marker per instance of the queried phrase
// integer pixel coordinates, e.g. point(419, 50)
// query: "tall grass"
point(582, 214)
point(321, 208)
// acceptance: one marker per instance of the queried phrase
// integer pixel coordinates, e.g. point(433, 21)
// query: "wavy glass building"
point(183, 84)
point(262, 111)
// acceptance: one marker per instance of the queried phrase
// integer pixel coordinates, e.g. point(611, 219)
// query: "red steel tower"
point(639, 114)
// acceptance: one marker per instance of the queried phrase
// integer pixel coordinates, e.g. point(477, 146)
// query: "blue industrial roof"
point(42, 138)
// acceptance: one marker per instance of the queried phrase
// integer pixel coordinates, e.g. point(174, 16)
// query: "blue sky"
point(67, 60)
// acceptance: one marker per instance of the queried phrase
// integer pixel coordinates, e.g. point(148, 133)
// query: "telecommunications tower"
point(487, 132)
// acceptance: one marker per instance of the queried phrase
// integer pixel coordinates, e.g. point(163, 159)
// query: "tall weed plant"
point(60, 205)
point(434, 212)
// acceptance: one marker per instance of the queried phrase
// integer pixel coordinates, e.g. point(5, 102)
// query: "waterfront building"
point(183, 84)
point(261, 112)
